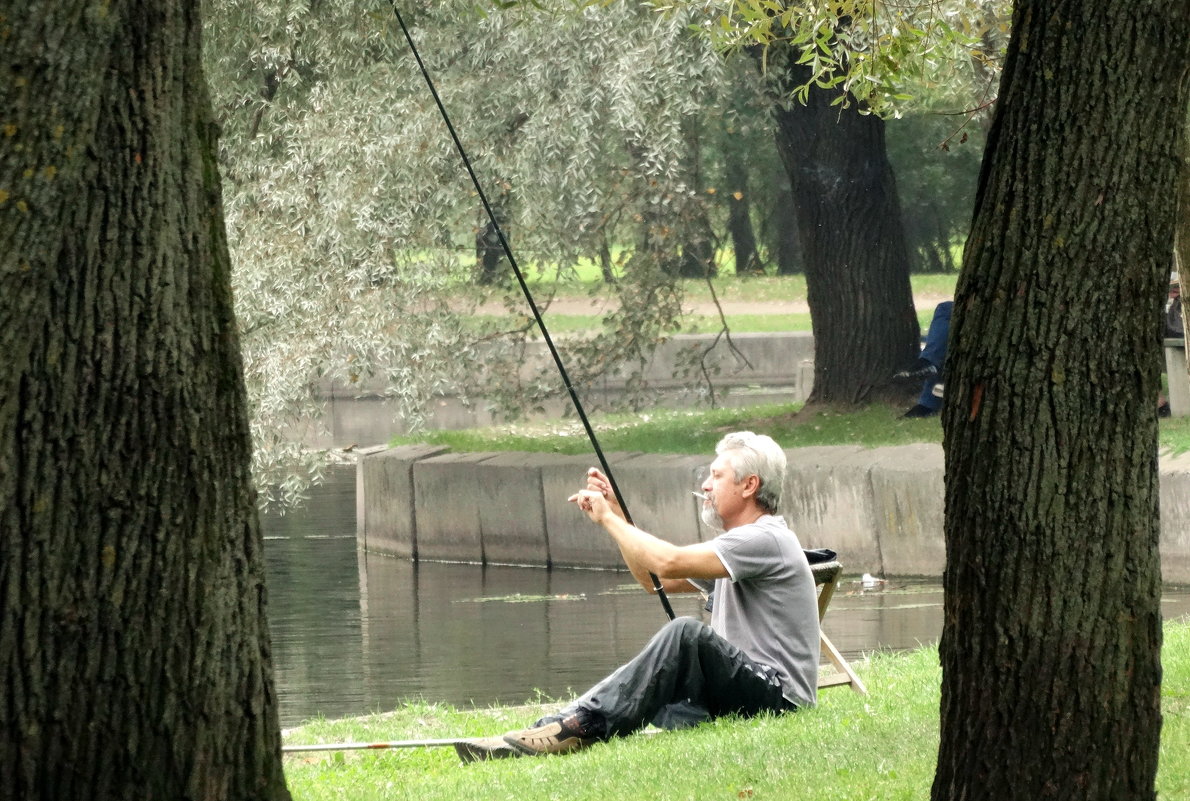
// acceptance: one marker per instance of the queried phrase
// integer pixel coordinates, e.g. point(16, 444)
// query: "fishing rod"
point(574, 399)
point(378, 746)
point(466, 742)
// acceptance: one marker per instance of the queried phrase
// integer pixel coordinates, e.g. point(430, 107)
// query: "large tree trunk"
point(1052, 632)
point(134, 651)
point(850, 229)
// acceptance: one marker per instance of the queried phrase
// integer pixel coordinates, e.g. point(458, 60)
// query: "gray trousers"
point(685, 675)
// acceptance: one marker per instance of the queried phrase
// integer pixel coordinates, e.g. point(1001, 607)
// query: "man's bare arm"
point(644, 553)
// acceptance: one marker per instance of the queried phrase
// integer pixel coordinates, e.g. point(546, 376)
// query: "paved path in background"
point(571, 306)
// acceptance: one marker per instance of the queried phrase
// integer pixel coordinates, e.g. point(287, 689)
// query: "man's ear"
point(750, 486)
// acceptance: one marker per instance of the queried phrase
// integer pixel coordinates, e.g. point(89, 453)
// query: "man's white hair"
point(758, 455)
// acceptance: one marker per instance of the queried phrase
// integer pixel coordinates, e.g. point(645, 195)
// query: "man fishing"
point(760, 652)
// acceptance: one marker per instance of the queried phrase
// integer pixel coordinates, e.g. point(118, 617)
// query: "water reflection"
point(355, 633)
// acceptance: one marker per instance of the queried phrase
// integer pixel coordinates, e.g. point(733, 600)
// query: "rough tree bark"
point(1052, 631)
point(134, 651)
point(853, 245)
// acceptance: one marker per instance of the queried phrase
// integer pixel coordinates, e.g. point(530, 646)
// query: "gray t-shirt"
point(768, 608)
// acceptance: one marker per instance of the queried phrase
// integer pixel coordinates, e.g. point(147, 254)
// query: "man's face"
point(725, 499)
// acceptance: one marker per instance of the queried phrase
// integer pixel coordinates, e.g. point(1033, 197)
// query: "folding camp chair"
point(827, 572)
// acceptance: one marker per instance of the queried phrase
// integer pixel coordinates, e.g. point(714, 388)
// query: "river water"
point(355, 633)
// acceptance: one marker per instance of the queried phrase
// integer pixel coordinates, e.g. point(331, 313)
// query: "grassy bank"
point(849, 747)
point(697, 431)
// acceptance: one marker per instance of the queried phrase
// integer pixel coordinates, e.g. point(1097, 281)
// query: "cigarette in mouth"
point(700, 495)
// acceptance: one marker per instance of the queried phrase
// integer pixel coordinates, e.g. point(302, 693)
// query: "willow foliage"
point(879, 53)
point(352, 223)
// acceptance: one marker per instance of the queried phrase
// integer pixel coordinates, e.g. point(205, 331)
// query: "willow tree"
point(352, 223)
point(1051, 640)
point(134, 651)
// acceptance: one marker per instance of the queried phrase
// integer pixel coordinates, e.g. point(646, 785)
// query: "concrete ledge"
point(907, 505)
point(757, 358)
point(385, 512)
point(448, 507)
point(827, 500)
point(880, 509)
point(1175, 519)
point(776, 367)
point(1179, 381)
point(511, 508)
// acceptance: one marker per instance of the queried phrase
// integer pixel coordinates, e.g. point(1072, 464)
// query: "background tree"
point(852, 238)
point(1052, 633)
point(836, 69)
point(738, 196)
point(134, 649)
point(779, 230)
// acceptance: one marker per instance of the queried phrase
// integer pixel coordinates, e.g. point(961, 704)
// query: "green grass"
point(730, 288)
point(1175, 435)
point(850, 747)
point(697, 430)
point(694, 431)
point(586, 278)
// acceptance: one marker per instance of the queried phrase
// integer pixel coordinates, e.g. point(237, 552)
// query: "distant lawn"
point(793, 287)
point(586, 279)
point(747, 323)
point(728, 288)
point(676, 432)
point(697, 430)
point(882, 746)
point(765, 288)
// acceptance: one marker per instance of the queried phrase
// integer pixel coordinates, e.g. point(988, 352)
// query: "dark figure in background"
point(488, 253)
point(929, 364)
point(1174, 327)
point(759, 654)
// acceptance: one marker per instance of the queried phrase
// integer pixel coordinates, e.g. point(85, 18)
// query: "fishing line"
point(574, 399)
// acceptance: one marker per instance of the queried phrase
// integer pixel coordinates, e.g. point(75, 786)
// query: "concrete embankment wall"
point(880, 509)
point(752, 368)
